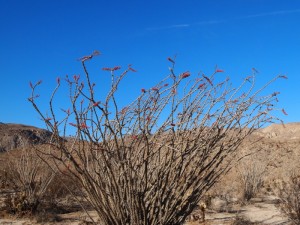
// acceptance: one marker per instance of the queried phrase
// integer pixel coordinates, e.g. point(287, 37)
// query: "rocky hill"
point(17, 135)
point(286, 132)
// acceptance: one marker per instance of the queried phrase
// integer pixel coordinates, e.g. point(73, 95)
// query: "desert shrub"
point(289, 195)
point(151, 161)
point(27, 179)
point(62, 186)
point(64, 195)
point(251, 174)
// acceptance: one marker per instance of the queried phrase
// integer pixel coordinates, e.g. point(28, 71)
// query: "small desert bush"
point(26, 179)
point(251, 175)
point(224, 194)
point(19, 203)
point(64, 195)
point(289, 196)
point(61, 187)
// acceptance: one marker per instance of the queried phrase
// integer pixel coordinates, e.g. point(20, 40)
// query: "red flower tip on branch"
point(84, 126)
point(166, 85)
point(116, 68)
point(143, 90)
point(284, 112)
point(106, 69)
point(185, 74)
point(173, 124)
point(131, 69)
point(219, 71)
point(39, 82)
point(148, 118)
point(283, 76)
point(85, 58)
point(174, 91)
point(96, 103)
point(66, 111)
point(73, 124)
point(201, 86)
point(48, 119)
point(154, 89)
point(88, 57)
point(30, 84)
point(76, 78)
point(111, 69)
point(58, 80)
point(171, 60)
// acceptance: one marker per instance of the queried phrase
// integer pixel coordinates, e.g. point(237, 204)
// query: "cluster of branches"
point(151, 161)
point(28, 177)
point(289, 195)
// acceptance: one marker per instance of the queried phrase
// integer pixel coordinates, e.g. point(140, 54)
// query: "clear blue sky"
point(43, 39)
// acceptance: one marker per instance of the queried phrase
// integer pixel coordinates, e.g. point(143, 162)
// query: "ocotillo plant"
point(150, 162)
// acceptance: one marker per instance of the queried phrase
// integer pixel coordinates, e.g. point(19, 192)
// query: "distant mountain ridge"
point(18, 135)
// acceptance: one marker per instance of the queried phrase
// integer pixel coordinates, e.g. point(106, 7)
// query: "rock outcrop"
point(17, 135)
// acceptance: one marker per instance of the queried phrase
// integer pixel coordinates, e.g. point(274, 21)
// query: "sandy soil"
point(261, 210)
